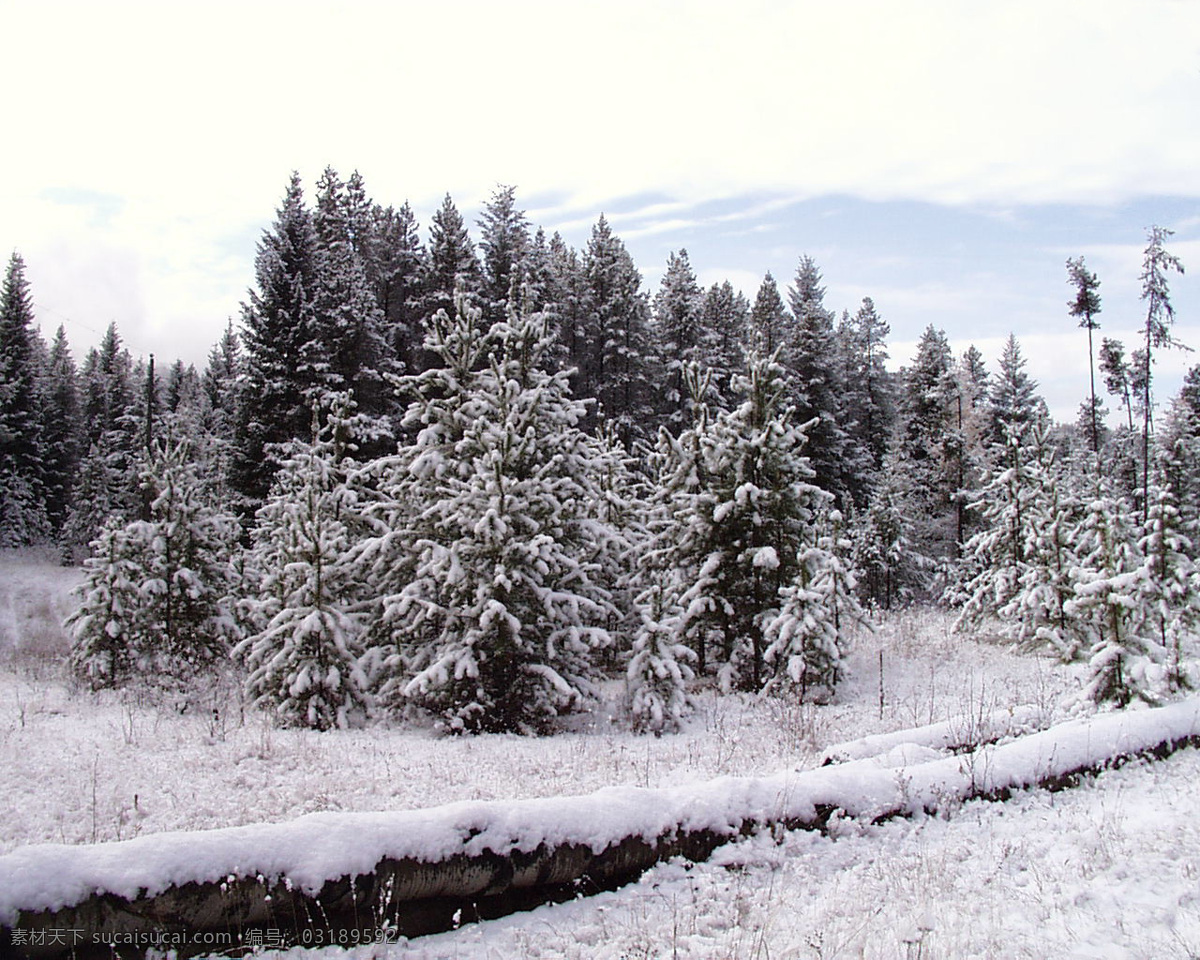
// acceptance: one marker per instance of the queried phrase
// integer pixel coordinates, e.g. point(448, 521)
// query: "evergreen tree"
point(1108, 581)
point(885, 552)
point(1085, 306)
point(504, 241)
point(1118, 378)
point(1020, 566)
point(809, 636)
point(111, 445)
point(868, 382)
point(770, 324)
point(452, 263)
point(284, 357)
point(349, 323)
point(741, 506)
point(1160, 316)
point(23, 517)
point(1013, 394)
point(398, 269)
point(678, 333)
point(931, 446)
point(155, 600)
point(108, 628)
point(618, 334)
point(725, 321)
point(303, 656)
point(566, 300)
point(659, 671)
point(1170, 587)
point(498, 625)
point(62, 431)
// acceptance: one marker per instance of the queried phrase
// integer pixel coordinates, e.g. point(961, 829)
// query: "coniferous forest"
point(473, 474)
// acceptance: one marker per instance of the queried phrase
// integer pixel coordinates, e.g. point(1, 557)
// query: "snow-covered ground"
point(1109, 869)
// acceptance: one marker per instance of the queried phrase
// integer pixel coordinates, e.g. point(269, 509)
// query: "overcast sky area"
point(944, 159)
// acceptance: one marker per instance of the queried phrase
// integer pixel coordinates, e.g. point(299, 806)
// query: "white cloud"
point(193, 115)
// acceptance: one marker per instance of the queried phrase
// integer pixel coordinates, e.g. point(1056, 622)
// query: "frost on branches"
point(505, 604)
point(155, 596)
point(808, 638)
point(303, 656)
point(659, 670)
point(736, 536)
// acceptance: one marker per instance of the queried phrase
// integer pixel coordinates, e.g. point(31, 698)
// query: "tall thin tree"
point(1085, 306)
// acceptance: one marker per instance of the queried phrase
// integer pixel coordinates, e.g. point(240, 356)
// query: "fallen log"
point(348, 878)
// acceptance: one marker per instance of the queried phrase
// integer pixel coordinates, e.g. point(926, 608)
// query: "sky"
point(943, 158)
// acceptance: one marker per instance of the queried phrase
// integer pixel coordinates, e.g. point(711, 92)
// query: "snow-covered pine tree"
point(1018, 568)
point(1109, 580)
point(303, 658)
point(1170, 587)
point(816, 390)
point(741, 502)
point(1013, 395)
point(348, 324)
point(618, 337)
point(930, 446)
point(869, 384)
point(809, 638)
point(498, 623)
point(1053, 515)
point(725, 321)
point(659, 670)
point(156, 596)
point(23, 517)
point(283, 361)
point(453, 265)
point(504, 242)
point(769, 332)
point(62, 431)
point(397, 268)
point(679, 335)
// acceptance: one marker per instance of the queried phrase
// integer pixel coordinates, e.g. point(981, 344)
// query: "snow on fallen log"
point(958, 733)
point(410, 871)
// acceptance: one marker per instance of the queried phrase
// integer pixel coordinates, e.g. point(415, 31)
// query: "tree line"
point(472, 480)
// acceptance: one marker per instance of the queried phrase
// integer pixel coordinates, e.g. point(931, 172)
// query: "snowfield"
point(1105, 870)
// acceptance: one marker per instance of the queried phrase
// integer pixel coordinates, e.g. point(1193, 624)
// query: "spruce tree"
point(659, 670)
point(398, 269)
point(741, 505)
point(348, 324)
point(1108, 581)
point(284, 359)
point(618, 335)
point(303, 654)
point(23, 517)
point(1013, 394)
point(504, 242)
point(62, 431)
point(678, 334)
point(725, 320)
point(498, 624)
point(931, 445)
point(770, 323)
point(809, 638)
point(817, 391)
point(156, 595)
point(868, 381)
point(453, 263)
